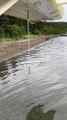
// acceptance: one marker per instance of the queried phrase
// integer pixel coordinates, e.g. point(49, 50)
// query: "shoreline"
point(14, 48)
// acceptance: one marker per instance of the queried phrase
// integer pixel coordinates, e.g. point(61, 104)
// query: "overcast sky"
point(65, 10)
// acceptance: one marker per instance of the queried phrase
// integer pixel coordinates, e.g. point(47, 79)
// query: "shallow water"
point(46, 86)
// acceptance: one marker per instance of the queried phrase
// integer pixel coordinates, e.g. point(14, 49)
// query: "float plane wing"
point(39, 9)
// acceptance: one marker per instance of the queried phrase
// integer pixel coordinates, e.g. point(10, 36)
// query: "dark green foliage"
point(49, 28)
point(16, 31)
point(2, 34)
point(37, 114)
point(37, 32)
point(11, 27)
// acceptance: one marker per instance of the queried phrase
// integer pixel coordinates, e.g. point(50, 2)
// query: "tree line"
point(11, 27)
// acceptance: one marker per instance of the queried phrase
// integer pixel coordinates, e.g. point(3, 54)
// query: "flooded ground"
point(42, 95)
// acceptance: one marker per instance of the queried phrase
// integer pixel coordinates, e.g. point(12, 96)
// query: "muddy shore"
point(11, 49)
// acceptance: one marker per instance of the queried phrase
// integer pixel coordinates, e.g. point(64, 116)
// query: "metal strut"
point(28, 30)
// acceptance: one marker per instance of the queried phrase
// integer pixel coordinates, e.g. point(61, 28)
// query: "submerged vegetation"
point(15, 28)
point(37, 114)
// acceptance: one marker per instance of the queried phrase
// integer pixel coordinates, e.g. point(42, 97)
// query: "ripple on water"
point(43, 94)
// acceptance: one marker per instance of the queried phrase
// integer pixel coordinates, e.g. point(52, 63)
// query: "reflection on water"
point(3, 71)
point(37, 114)
point(43, 94)
point(14, 62)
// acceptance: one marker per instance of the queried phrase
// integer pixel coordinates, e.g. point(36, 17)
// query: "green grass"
point(6, 39)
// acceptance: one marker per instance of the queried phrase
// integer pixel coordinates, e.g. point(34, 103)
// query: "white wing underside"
point(39, 9)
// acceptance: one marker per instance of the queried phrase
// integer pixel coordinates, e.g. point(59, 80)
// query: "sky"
point(65, 10)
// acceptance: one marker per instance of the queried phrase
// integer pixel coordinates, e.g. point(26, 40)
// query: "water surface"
point(43, 92)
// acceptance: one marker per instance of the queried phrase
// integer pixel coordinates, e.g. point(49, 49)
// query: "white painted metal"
point(6, 4)
point(39, 9)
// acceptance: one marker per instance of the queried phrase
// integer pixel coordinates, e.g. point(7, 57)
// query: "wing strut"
point(28, 31)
